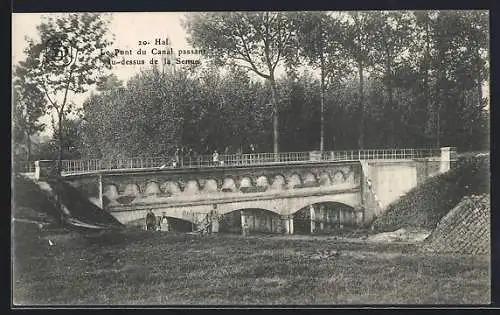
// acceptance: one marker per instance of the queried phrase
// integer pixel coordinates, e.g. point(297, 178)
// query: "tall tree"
point(392, 30)
point(258, 41)
point(425, 22)
point(358, 39)
point(29, 106)
point(69, 57)
point(321, 42)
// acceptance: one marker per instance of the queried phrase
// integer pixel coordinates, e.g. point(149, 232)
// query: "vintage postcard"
point(250, 158)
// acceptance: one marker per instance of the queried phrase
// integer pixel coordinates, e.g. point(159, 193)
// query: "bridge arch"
point(339, 177)
point(278, 182)
point(131, 190)
point(324, 217)
point(333, 199)
point(262, 181)
point(111, 191)
point(325, 179)
point(152, 188)
point(228, 184)
point(256, 219)
point(294, 180)
point(210, 186)
point(171, 188)
point(192, 187)
point(245, 182)
point(309, 178)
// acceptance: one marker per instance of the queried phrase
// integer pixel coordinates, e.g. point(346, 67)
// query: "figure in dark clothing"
point(150, 221)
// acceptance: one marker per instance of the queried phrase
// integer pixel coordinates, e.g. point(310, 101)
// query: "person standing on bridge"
point(215, 158)
point(177, 156)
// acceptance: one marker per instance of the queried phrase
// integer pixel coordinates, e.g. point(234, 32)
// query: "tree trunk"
point(478, 79)
point(361, 107)
point(392, 118)
point(60, 156)
point(438, 129)
point(28, 146)
point(322, 111)
point(427, 92)
point(390, 107)
point(439, 98)
point(275, 116)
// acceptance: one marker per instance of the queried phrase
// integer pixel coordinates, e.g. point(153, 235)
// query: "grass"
point(137, 267)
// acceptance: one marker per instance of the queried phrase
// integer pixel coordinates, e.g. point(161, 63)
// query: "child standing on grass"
point(164, 223)
point(245, 229)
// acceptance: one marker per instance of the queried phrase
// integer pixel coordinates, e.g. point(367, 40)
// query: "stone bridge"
point(266, 197)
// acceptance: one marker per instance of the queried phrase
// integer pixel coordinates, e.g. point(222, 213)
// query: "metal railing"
point(24, 166)
point(233, 160)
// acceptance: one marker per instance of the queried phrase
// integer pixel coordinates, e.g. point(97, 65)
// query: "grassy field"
point(137, 267)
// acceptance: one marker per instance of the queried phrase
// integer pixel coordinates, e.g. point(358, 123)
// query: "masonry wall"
point(386, 181)
point(465, 229)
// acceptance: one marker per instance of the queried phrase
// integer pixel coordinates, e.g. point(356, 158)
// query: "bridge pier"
point(322, 218)
point(244, 221)
point(45, 169)
point(444, 166)
point(100, 188)
point(288, 221)
point(313, 218)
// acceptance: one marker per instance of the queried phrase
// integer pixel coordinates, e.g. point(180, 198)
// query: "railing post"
point(44, 169)
point(99, 178)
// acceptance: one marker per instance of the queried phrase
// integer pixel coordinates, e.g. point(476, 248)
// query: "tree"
point(392, 31)
point(321, 42)
point(29, 106)
point(69, 57)
point(425, 22)
point(108, 83)
point(258, 41)
point(144, 118)
point(358, 40)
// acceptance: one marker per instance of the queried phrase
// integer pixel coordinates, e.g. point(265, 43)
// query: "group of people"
point(156, 224)
point(188, 156)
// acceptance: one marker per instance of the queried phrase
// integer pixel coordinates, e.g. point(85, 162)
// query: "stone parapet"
point(45, 169)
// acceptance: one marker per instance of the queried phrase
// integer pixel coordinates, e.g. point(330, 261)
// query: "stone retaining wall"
point(465, 229)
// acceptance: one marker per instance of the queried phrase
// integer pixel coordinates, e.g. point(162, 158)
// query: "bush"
point(427, 203)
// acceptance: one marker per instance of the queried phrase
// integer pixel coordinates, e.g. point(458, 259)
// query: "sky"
point(128, 27)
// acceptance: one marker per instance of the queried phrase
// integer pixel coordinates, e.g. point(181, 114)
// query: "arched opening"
point(179, 225)
point(323, 218)
point(258, 221)
point(230, 222)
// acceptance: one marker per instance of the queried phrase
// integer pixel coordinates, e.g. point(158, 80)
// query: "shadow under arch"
point(179, 225)
point(258, 220)
point(326, 217)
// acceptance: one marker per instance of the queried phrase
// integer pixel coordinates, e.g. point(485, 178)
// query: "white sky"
point(128, 28)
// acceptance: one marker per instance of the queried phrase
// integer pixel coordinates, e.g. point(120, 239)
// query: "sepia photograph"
point(250, 158)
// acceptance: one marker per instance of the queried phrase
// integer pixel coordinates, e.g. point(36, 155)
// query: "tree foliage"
point(69, 57)
point(391, 79)
point(29, 105)
point(258, 41)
